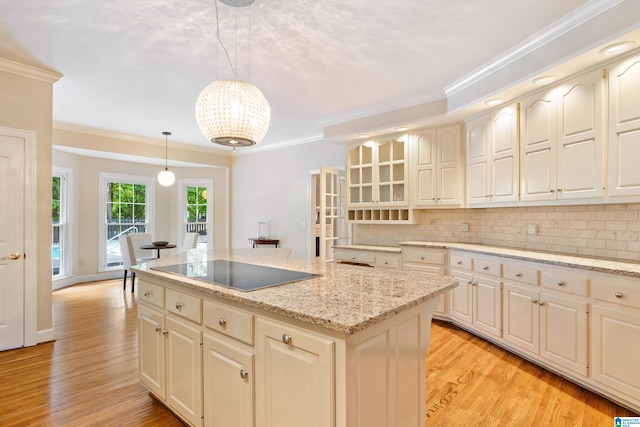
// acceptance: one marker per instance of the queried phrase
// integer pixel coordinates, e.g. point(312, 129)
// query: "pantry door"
point(333, 226)
point(17, 210)
point(11, 242)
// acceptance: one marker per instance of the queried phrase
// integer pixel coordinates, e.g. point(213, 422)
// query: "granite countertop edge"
point(623, 268)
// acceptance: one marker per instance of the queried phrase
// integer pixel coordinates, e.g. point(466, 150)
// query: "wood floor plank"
point(88, 376)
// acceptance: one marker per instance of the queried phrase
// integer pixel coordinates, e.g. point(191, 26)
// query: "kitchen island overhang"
point(376, 321)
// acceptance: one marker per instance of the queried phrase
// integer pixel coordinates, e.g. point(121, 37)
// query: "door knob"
point(14, 256)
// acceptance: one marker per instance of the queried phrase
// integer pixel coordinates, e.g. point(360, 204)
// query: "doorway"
point(328, 207)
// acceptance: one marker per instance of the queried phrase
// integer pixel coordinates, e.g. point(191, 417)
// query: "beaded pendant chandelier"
point(232, 112)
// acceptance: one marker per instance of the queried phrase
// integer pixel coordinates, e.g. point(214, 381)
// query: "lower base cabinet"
point(228, 372)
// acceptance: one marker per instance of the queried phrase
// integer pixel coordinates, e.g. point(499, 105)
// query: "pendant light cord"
point(215, 2)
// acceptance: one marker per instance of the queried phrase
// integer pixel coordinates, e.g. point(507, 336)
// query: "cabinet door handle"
point(518, 274)
point(618, 294)
point(244, 374)
point(286, 338)
point(147, 293)
point(165, 332)
point(222, 322)
point(541, 302)
point(178, 306)
point(561, 283)
point(470, 282)
point(535, 301)
point(157, 328)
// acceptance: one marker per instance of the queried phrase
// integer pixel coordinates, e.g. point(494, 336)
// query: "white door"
point(12, 166)
point(332, 207)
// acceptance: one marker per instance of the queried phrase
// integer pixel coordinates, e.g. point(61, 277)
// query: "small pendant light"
point(166, 178)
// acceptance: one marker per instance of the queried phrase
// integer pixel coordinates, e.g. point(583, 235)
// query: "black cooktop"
point(236, 275)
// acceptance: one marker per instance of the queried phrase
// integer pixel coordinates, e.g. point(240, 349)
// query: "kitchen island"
point(345, 348)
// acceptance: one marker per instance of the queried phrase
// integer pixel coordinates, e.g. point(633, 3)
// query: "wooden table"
point(158, 248)
point(255, 242)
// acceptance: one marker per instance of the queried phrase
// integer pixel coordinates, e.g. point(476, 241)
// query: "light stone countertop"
point(389, 249)
point(344, 298)
point(629, 269)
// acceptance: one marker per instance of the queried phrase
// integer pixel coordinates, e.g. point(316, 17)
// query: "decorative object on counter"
point(166, 178)
point(233, 112)
point(262, 230)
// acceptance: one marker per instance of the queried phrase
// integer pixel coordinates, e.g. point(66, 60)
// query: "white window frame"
point(102, 223)
point(182, 206)
point(65, 176)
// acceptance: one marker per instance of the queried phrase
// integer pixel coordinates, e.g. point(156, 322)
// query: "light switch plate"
point(464, 227)
point(533, 229)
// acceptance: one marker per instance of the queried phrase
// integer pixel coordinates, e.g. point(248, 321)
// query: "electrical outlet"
point(532, 230)
point(464, 227)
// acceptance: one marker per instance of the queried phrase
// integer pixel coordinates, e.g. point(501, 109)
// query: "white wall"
point(273, 186)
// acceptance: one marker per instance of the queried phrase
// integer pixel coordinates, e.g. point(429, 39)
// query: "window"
point(59, 225)
point(126, 201)
point(195, 199)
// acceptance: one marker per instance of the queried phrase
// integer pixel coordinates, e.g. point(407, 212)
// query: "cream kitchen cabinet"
point(561, 142)
point(477, 301)
point(382, 258)
point(170, 356)
point(378, 181)
point(624, 129)
point(438, 172)
point(551, 322)
point(294, 376)
point(615, 336)
point(492, 157)
point(432, 261)
point(228, 366)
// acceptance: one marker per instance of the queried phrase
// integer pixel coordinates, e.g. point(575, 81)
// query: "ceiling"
point(137, 67)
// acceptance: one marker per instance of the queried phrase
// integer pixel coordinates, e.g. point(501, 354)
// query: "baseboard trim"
point(74, 280)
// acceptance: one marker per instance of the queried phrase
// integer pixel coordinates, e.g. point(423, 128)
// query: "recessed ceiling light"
point(364, 136)
point(544, 80)
point(493, 102)
point(617, 48)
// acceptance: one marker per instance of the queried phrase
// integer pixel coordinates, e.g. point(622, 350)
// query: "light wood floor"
point(87, 377)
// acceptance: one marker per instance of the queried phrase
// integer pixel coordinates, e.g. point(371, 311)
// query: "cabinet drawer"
point(354, 256)
point(617, 290)
point(425, 268)
point(487, 267)
point(566, 283)
point(387, 261)
point(461, 262)
point(150, 293)
point(423, 256)
point(521, 274)
point(229, 321)
point(187, 306)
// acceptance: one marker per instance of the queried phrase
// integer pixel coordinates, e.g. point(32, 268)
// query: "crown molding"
point(29, 71)
point(562, 26)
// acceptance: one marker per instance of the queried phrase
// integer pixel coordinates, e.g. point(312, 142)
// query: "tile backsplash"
point(608, 231)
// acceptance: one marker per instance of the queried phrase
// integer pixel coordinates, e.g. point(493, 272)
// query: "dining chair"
point(190, 241)
point(140, 239)
point(127, 261)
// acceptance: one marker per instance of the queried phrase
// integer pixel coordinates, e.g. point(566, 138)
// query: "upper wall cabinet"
point(561, 141)
point(492, 157)
point(378, 181)
point(624, 128)
point(438, 173)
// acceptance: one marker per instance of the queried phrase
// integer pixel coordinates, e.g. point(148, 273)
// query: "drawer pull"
point(222, 322)
point(244, 374)
point(561, 283)
point(353, 257)
point(518, 274)
point(459, 262)
point(286, 338)
point(147, 293)
point(179, 306)
point(619, 295)
point(486, 267)
point(422, 258)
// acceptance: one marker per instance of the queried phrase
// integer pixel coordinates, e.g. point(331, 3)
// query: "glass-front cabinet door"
point(392, 172)
point(361, 174)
